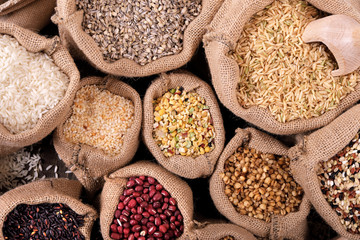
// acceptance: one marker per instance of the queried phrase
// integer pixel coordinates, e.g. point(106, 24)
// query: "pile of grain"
point(30, 85)
point(280, 72)
point(99, 119)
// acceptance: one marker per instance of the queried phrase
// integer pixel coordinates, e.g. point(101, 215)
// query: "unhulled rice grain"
point(280, 72)
point(30, 85)
point(99, 119)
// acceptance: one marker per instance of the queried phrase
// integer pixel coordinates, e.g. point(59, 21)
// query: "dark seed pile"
point(42, 222)
point(339, 180)
point(146, 211)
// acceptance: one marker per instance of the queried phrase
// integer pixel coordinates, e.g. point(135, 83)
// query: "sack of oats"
point(30, 14)
point(327, 165)
point(46, 209)
point(183, 126)
point(264, 73)
point(134, 38)
point(101, 130)
point(253, 187)
point(38, 92)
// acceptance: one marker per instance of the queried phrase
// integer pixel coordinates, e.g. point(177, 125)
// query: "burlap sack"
point(30, 14)
point(90, 164)
point(71, 32)
point(36, 43)
point(49, 191)
point(223, 34)
point(184, 166)
point(221, 230)
point(290, 226)
point(321, 146)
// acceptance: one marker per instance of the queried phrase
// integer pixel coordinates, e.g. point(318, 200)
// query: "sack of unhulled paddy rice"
point(46, 209)
point(327, 165)
point(183, 126)
point(264, 73)
point(101, 130)
point(38, 81)
point(139, 38)
point(253, 187)
point(30, 14)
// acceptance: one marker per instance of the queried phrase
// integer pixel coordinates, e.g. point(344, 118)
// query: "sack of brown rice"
point(47, 208)
point(327, 165)
point(36, 94)
point(101, 131)
point(183, 126)
point(30, 14)
point(253, 187)
point(264, 73)
point(134, 38)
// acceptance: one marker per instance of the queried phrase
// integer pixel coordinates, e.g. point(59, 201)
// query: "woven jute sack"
point(90, 164)
point(184, 166)
point(81, 44)
point(224, 32)
point(49, 191)
point(30, 14)
point(217, 231)
point(318, 146)
point(291, 226)
point(49, 121)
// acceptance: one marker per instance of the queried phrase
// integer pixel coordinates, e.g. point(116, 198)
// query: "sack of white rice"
point(263, 71)
point(38, 81)
point(30, 14)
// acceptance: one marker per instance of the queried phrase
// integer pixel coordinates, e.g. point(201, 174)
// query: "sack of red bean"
point(101, 130)
point(39, 81)
point(30, 14)
point(253, 187)
point(265, 73)
point(46, 209)
point(183, 126)
point(140, 38)
point(327, 165)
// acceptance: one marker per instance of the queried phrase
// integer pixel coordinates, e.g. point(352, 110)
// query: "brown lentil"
point(142, 31)
point(260, 184)
point(339, 181)
point(281, 73)
point(183, 124)
point(100, 119)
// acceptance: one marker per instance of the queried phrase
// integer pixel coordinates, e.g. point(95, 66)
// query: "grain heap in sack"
point(183, 127)
point(46, 209)
point(134, 38)
point(326, 164)
point(101, 131)
point(253, 187)
point(30, 14)
point(249, 45)
point(36, 94)
point(146, 201)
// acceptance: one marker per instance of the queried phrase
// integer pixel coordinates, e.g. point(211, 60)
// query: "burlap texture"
point(290, 226)
point(71, 32)
point(321, 146)
point(48, 122)
point(115, 184)
point(90, 164)
point(223, 33)
point(184, 166)
point(49, 191)
point(220, 230)
point(33, 15)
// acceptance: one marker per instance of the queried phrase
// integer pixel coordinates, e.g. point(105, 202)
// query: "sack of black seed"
point(30, 14)
point(101, 130)
point(134, 38)
point(46, 209)
point(253, 187)
point(327, 165)
point(183, 126)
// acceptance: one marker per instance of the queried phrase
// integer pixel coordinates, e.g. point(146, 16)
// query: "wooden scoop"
point(341, 34)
